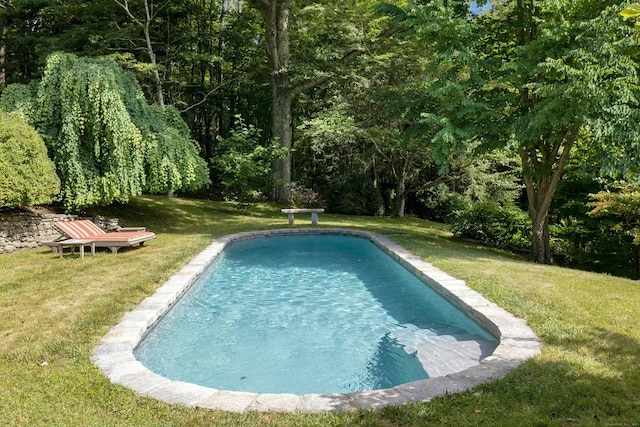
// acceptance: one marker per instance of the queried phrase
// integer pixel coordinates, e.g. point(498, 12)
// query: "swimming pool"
point(457, 368)
point(304, 314)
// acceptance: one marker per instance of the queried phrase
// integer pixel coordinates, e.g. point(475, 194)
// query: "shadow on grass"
point(162, 214)
point(567, 391)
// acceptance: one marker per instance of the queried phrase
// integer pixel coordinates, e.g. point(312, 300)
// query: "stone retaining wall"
point(22, 229)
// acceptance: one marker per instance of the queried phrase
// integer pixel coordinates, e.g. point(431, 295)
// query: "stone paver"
point(466, 364)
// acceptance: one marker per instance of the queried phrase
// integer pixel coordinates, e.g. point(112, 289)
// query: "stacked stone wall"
point(23, 229)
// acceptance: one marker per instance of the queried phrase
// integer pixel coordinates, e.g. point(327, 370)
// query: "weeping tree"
point(107, 143)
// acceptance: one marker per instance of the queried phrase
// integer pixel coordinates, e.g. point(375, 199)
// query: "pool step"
point(448, 357)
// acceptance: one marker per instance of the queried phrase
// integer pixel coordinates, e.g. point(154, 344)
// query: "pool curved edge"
point(114, 355)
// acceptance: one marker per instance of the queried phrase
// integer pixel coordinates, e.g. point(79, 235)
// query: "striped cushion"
point(124, 236)
point(80, 229)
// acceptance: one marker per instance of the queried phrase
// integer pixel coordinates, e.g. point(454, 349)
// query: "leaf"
point(631, 11)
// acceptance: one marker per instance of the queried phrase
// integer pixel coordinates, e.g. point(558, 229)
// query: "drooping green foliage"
point(27, 176)
point(172, 159)
point(20, 98)
point(106, 141)
point(82, 114)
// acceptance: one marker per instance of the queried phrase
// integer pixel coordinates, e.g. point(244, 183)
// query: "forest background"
point(517, 125)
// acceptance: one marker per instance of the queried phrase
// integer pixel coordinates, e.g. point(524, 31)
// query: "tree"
point(330, 147)
point(27, 176)
point(219, 70)
point(30, 30)
point(330, 42)
point(107, 143)
point(144, 22)
point(243, 166)
point(558, 75)
point(424, 114)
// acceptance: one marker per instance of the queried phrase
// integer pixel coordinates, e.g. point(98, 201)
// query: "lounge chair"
point(83, 229)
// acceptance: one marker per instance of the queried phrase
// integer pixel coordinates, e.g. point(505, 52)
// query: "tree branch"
point(346, 59)
point(125, 6)
point(431, 184)
point(211, 92)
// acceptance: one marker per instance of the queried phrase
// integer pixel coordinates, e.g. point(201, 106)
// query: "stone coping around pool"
point(114, 355)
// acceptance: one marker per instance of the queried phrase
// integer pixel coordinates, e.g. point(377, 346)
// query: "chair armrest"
point(131, 229)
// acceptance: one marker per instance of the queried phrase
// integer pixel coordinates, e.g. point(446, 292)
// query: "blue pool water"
point(303, 314)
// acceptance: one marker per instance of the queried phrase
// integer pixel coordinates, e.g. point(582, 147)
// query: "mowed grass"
point(54, 311)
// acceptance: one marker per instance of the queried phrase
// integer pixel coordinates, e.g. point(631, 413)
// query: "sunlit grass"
point(54, 311)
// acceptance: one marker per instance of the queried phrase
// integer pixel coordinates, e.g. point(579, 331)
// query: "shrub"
point(304, 197)
point(438, 203)
point(494, 223)
point(355, 196)
point(596, 244)
point(243, 166)
point(27, 175)
point(21, 99)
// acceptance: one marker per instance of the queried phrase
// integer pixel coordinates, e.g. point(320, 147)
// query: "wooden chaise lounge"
point(82, 229)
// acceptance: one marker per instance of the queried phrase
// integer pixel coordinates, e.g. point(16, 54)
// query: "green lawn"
point(53, 312)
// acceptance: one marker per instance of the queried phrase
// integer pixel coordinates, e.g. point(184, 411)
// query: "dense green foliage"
point(27, 175)
point(624, 205)
point(410, 94)
point(355, 196)
point(242, 166)
point(632, 11)
point(569, 78)
point(494, 224)
point(106, 141)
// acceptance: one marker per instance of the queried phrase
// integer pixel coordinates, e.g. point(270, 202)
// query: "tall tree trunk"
point(3, 51)
point(401, 196)
point(219, 76)
point(276, 24)
point(145, 24)
point(276, 18)
point(400, 175)
point(542, 170)
point(281, 118)
point(540, 243)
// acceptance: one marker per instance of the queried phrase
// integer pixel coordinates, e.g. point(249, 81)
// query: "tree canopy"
point(107, 143)
point(420, 103)
point(566, 74)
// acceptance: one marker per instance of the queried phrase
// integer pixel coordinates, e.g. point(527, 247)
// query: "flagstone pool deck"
point(452, 368)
